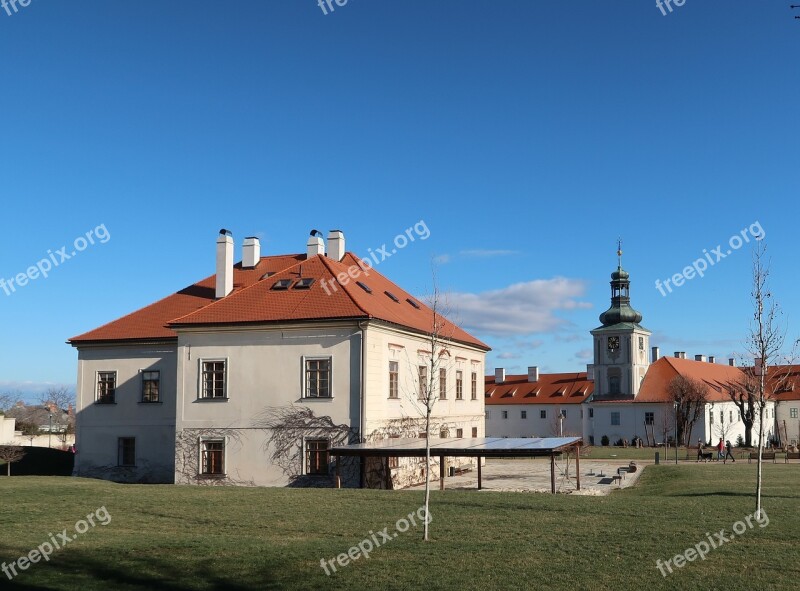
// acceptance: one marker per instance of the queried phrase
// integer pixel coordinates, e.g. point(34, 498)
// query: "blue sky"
point(527, 135)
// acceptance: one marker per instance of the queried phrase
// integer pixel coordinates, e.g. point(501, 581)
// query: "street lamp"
point(50, 431)
point(676, 432)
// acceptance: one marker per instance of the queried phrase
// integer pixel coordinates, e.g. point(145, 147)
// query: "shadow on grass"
point(71, 570)
point(730, 494)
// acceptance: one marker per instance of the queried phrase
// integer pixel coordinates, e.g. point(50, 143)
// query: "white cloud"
point(521, 308)
point(441, 259)
point(584, 354)
point(508, 355)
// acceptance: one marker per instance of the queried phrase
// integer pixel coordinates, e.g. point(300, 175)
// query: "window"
point(564, 413)
point(444, 434)
point(591, 413)
point(150, 386)
point(542, 414)
point(731, 416)
point(474, 385)
point(213, 379)
point(422, 435)
point(318, 378)
point(106, 387)
point(281, 284)
point(317, 457)
point(474, 431)
point(126, 451)
point(505, 414)
point(459, 385)
point(394, 368)
point(614, 380)
point(443, 384)
point(391, 296)
point(523, 414)
point(459, 433)
point(722, 416)
point(615, 418)
point(212, 457)
point(793, 413)
point(364, 286)
point(641, 343)
point(488, 415)
point(649, 418)
point(423, 381)
point(304, 283)
point(711, 418)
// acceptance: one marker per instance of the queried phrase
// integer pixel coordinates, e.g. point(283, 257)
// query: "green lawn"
point(171, 538)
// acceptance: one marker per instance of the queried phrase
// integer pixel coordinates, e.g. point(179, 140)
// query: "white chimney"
point(700, 358)
point(683, 354)
point(731, 362)
point(315, 245)
point(656, 354)
point(499, 375)
point(251, 252)
point(533, 373)
point(712, 359)
point(224, 263)
point(336, 245)
point(590, 372)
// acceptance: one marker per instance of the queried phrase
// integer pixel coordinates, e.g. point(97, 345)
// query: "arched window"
point(614, 380)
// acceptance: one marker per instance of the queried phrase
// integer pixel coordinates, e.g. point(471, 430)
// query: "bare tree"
point(429, 384)
point(723, 429)
point(691, 399)
point(5, 402)
point(10, 454)
point(59, 396)
point(765, 343)
point(744, 394)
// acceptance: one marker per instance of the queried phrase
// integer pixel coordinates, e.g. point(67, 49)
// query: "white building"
point(250, 375)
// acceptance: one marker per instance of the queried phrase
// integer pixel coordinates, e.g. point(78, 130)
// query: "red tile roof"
point(550, 388)
point(786, 379)
point(254, 301)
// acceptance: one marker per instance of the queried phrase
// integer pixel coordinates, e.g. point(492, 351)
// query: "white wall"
point(784, 414)
point(533, 425)
point(99, 426)
point(7, 430)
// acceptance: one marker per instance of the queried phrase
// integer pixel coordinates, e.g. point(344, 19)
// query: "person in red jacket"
point(720, 449)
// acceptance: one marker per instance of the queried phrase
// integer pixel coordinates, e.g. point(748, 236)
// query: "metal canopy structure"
point(476, 447)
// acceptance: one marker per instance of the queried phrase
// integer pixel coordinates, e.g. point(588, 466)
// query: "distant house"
point(47, 417)
point(250, 375)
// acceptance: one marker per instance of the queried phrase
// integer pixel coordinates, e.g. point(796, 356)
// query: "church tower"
point(620, 344)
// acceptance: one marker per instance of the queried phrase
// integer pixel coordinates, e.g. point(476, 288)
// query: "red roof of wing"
point(786, 380)
point(327, 298)
point(550, 388)
point(717, 378)
point(151, 321)
point(254, 301)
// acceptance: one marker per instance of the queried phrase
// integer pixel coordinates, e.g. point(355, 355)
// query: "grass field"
point(171, 538)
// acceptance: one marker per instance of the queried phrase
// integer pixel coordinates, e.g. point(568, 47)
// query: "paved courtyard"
point(533, 475)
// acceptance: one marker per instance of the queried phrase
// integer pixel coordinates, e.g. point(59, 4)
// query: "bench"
point(792, 455)
point(766, 455)
point(620, 475)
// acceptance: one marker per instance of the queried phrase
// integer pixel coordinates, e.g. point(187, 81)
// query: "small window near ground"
point(317, 457)
point(212, 461)
point(126, 451)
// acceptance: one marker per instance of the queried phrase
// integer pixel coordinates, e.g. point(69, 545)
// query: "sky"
point(524, 136)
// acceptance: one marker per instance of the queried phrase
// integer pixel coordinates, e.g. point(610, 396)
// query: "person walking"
point(728, 452)
point(699, 449)
point(720, 447)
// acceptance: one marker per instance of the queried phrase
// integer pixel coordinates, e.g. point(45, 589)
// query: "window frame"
point(202, 456)
point(145, 381)
point(459, 384)
point(504, 414)
point(474, 385)
point(394, 380)
point(616, 418)
point(422, 378)
point(201, 385)
point(112, 399)
point(650, 418)
point(523, 414)
point(325, 452)
point(442, 383)
point(543, 414)
point(306, 359)
point(121, 452)
point(474, 432)
point(793, 412)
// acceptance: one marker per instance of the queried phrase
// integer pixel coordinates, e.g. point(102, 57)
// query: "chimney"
point(224, 263)
point(732, 362)
point(251, 252)
point(533, 373)
point(656, 354)
point(499, 375)
point(590, 372)
point(700, 358)
point(758, 366)
point(315, 244)
point(336, 245)
point(712, 359)
point(683, 354)
point(677, 354)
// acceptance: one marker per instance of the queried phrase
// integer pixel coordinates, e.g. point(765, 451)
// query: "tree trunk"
point(427, 469)
point(759, 469)
point(8, 469)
